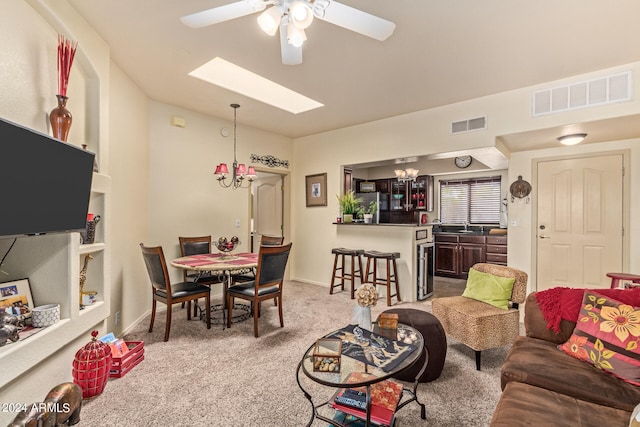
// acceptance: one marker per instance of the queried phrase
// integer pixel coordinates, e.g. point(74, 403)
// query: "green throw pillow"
point(488, 288)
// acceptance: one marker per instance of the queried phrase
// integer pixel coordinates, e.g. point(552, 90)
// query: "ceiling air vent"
point(469, 125)
point(589, 93)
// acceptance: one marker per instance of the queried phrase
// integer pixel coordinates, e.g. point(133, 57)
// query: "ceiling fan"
point(292, 17)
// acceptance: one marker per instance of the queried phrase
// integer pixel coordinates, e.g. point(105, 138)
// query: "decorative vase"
point(91, 366)
point(362, 315)
point(60, 119)
point(368, 218)
point(90, 230)
point(347, 218)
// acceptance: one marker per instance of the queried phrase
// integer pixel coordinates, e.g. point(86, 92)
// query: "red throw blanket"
point(564, 303)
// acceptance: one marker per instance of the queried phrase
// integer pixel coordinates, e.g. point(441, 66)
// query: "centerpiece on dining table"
point(227, 246)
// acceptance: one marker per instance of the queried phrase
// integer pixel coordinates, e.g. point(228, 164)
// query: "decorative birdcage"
point(91, 366)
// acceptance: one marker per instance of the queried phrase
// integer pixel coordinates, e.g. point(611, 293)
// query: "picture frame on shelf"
point(367, 187)
point(316, 189)
point(16, 294)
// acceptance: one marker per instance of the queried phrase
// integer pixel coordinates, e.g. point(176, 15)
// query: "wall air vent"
point(469, 125)
point(589, 93)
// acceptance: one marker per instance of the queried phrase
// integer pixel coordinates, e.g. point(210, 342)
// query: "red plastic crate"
point(122, 365)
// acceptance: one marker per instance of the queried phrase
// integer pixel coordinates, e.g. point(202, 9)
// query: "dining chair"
point(271, 240)
point(264, 241)
point(272, 262)
point(162, 290)
point(195, 246)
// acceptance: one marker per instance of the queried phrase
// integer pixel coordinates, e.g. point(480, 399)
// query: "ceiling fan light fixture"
point(295, 36)
point(572, 139)
point(269, 20)
point(301, 14)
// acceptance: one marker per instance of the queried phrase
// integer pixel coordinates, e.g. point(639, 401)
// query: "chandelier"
point(239, 172)
point(406, 174)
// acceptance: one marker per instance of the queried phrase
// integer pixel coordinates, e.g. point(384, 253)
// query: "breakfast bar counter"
point(403, 238)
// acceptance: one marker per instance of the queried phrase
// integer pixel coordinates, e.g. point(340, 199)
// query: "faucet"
point(466, 225)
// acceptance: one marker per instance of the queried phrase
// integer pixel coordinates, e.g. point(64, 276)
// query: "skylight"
point(230, 76)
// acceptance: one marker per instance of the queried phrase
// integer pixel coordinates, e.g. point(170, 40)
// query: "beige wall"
point(184, 197)
point(129, 169)
point(427, 132)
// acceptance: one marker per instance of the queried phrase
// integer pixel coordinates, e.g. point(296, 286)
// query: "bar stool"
point(343, 273)
point(392, 272)
point(616, 277)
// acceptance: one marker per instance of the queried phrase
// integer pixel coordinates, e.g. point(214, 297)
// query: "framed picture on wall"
point(15, 294)
point(316, 186)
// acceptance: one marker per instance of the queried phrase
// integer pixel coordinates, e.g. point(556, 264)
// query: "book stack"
point(351, 402)
point(118, 346)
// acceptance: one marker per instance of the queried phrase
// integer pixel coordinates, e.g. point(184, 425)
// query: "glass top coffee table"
point(369, 358)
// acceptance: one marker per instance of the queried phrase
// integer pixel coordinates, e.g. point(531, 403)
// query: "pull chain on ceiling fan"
point(292, 17)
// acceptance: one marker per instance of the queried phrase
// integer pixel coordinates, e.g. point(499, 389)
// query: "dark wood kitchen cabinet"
point(382, 185)
point(456, 254)
point(497, 250)
point(472, 251)
point(446, 257)
point(421, 193)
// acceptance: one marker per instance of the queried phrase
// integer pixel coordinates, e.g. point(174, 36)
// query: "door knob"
point(542, 236)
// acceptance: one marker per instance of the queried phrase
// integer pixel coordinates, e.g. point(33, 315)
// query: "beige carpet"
point(229, 378)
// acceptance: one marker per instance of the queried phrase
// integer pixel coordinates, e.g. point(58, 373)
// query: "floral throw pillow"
point(606, 336)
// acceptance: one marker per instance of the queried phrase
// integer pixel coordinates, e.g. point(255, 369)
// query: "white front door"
point(580, 219)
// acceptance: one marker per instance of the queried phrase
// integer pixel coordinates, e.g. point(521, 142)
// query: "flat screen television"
point(45, 184)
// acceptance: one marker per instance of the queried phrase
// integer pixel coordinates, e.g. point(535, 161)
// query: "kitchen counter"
point(378, 225)
point(402, 238)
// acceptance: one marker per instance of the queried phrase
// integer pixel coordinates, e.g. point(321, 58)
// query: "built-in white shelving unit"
point(52, 264)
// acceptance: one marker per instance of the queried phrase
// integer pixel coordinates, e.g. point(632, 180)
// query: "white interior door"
point(267, 206)
point(580, 220)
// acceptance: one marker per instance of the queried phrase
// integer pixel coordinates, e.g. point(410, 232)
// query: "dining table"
point(225, 265)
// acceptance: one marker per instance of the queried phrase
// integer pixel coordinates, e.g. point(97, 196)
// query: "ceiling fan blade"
point(291, 55)
point(356, 20)
point(223, 13)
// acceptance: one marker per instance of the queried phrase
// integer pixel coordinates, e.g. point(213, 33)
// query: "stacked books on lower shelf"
point(351, 402)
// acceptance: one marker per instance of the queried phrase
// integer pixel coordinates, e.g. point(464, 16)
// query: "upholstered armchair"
point(480, 325)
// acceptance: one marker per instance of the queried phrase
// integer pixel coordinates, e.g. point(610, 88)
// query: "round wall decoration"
point(463, 161)
point(520, 188)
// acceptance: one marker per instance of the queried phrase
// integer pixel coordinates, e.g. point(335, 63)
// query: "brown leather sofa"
point(541, 385)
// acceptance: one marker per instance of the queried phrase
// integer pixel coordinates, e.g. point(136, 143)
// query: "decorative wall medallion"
point(520, 189)
point(269, 160)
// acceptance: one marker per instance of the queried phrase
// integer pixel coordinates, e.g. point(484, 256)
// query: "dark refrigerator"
point(382, 199)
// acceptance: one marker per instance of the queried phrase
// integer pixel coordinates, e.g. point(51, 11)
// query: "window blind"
point(476, 201)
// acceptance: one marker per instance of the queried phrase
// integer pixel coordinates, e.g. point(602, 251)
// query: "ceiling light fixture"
point(572, 139)
point(239, 171)
point(406, 174)
point(269, 20)
point(299, 14)
point(295, 15)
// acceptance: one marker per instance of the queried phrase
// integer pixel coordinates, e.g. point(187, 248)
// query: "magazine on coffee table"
point(373, 349)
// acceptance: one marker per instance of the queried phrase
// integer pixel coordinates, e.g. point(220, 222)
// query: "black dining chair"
point(272, 262)
point(162, 290)
point(195, 246)
point(264, 241)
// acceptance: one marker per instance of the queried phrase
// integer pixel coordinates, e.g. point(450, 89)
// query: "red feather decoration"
point(66, 52)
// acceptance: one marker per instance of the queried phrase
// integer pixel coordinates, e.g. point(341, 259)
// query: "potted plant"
point(349, 205)
point(369, 212)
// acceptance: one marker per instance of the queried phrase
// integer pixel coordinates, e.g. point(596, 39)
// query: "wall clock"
point(463, 161)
